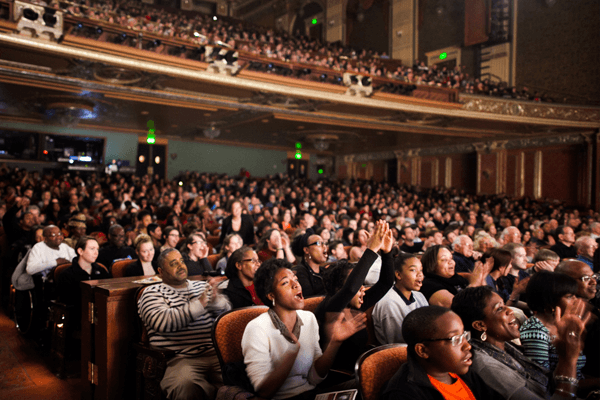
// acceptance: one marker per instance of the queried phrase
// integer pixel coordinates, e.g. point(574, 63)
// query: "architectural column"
point(415, 166)
point(403, 31)
point(537, 175)
point(435, 172)
point(596, 172)
point(335, 21)
point(590, 141)
point(501, 171)
point(448, 173)
point(520, 175)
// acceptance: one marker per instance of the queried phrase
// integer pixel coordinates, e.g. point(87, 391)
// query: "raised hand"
point(375, 240)
point(570, 327)
point(388, 240)
point(346, 325)
point(480, 272)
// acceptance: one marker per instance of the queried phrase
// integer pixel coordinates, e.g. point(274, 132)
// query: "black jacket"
point(237, 294)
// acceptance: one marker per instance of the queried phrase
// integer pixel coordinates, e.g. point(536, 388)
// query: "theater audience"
point(171, 238)
point(77, 228)
point(312, 252)
point(463, 254)
point(115, 248)
point(586, 247)
point(345, 292)
point(501, 365)
point(281, 347)
point(240, 270)
point(230, 244)
point(565, 238)
point(144, 265)
point(274, 244)
point(239, 223)
point(438, 360)
point(390, 311)
point(179, 314)
point(48, 254)
point(195, 251)
point(337, 251)
point(83, 268)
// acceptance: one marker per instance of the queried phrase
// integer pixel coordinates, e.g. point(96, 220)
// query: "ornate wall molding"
point(522, 108)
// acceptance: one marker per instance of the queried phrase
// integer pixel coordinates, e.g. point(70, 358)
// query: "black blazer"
point(246, 229)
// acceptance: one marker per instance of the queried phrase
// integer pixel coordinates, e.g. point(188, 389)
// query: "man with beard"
point(179, 315)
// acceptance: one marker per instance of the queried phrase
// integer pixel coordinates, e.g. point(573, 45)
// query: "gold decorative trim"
point(435, 172)
point(530, 109)
point(520, 175)
point(448, 173)
point(478, 189)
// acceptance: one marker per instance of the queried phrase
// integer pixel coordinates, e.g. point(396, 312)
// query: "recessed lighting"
point(380, 133)
point(300, 127)
point(265, 121)
point(145, 112)
point(174, 126)
point(207, 114)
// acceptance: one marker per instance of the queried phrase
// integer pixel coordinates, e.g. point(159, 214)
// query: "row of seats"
point(372, 370)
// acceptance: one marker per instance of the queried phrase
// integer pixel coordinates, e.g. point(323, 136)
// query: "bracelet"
point(281, 248)
point(561, 391)
point(566, 379)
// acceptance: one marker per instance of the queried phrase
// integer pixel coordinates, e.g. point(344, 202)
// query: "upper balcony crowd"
point(268, 44)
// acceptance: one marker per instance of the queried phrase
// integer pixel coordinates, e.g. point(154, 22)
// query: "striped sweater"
point(176, 320)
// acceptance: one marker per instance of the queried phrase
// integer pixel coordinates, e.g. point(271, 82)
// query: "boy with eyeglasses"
point(438, 361)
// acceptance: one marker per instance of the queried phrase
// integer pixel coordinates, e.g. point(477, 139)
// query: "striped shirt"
point(176, 320)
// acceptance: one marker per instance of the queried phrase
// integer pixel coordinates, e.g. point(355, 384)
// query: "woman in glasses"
point(241, 266)
point(194, 251)
point(438, 361)
point(499, 362)
point(313, 252)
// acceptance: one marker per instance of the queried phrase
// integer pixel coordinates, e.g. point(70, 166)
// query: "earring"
point(273, 301)
point(483, 336)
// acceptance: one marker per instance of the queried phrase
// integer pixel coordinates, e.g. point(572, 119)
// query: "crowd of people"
point(494, 296)
point(200, 29)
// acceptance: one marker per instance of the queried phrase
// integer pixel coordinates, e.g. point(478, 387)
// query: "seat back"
point(228, 330)
point(375, 367)
point(312, 303)
point(213, 259)
point(119, 267)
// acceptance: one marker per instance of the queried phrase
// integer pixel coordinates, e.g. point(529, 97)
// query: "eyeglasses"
point(455, 340)
point(587, 278)
point(200, 241)
point(252, 260)
point(317, 243)
point(54, 235)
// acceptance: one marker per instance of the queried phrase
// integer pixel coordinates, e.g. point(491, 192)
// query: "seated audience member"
point(171, 237)
point(337, 251)
point(143, 218)
point(345, 292)
point(483, 242)
point(195, 253)
point(51, 252)
point(115, 248)
point(565, 237)
point(77, 228)
point(230, 244)
point(438, 360)
point(518, 260)
point(155, 233)
point(432, 237)
point(497, 279)
point(410, 246)
point(18, 223)
point(586, 247)
point(463, 254)
point(546, 292)
point(510, 234)
point(500, 364)
point(312, 252)
point(179, 315)
point(441, 281)
point(281, 347)
point(241, 267)
point(587, 290)
point(544, 260)
point(239, 223)
point(390, 311)
point(360, 245)
point(144, 265)
point(274, 245)
point(83, 268)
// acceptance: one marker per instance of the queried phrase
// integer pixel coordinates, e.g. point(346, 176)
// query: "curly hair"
point(264, 278)
point(469, 304)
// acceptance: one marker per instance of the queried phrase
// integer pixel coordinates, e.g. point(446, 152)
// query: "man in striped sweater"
point(179, 315)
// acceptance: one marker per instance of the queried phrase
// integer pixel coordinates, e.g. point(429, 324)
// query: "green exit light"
point(314, 21)
point(151, 139)
point(298, 145)
point(364, 165)
point(443, 56)
point(298, 156)
point(320, 171)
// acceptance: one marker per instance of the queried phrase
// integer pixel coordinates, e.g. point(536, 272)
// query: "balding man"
point(463, 254)
point(511, 234)
point(565, 237)
point(586, 247)
point(587, 290)
point(51, 252)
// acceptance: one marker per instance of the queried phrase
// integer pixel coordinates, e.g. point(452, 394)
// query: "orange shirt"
point(455, 391)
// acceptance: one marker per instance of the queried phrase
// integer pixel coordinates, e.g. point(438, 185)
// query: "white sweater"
point(43, 258)
point(263, 346)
